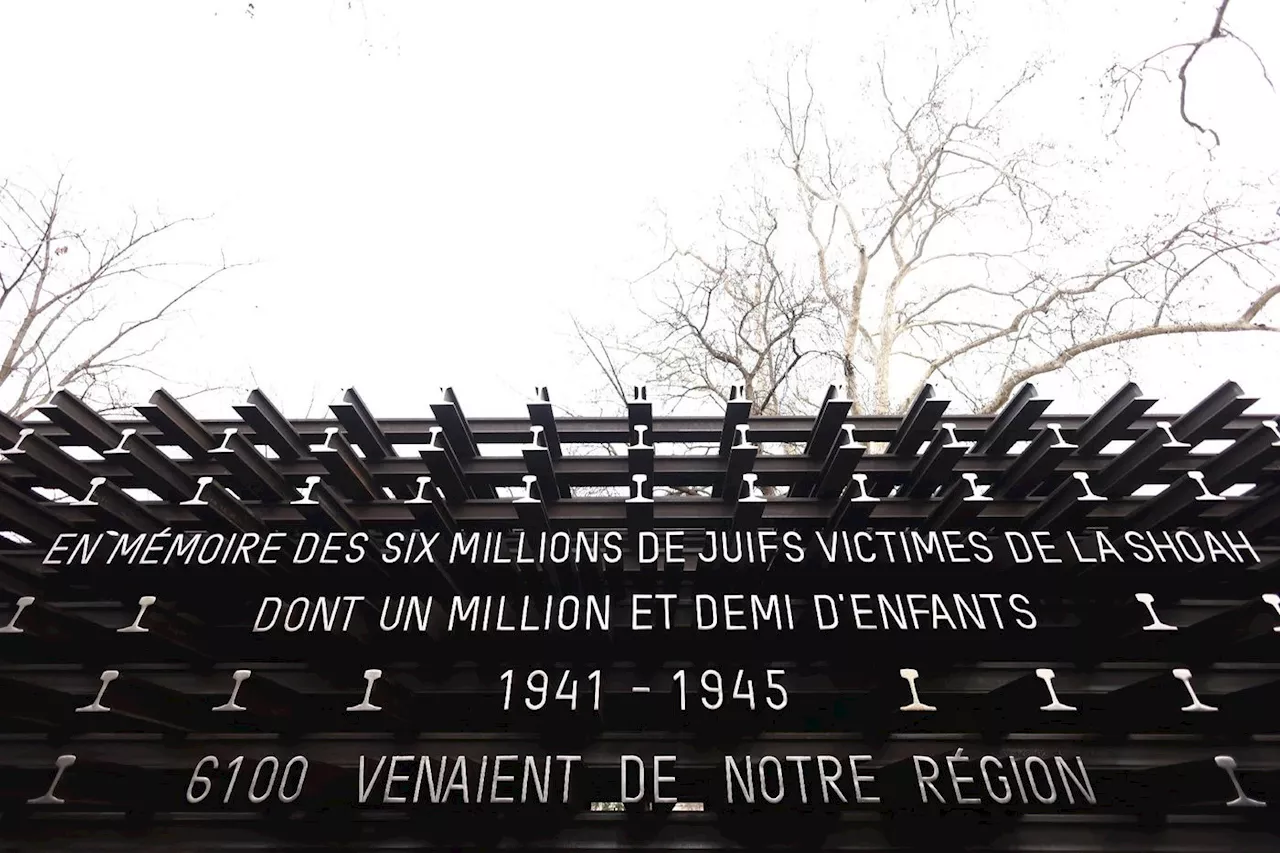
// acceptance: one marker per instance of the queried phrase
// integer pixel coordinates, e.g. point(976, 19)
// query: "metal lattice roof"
point(1163, 776)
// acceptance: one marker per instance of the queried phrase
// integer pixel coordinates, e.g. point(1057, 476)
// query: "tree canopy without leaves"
point(82, 309)
point(944, 254)
point(1207, 23)
point(1177, 61)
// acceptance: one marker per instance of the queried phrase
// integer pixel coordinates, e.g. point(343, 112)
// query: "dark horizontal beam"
point(1230, 635)
point(775, 470)
point(822, 701)
point(78, 831)
point(604, 512)
point(671, 428)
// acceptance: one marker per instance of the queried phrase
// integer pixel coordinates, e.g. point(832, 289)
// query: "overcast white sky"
point(428, 189)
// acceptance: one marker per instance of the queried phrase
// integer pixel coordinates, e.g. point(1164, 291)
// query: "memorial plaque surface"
point(1017, 632)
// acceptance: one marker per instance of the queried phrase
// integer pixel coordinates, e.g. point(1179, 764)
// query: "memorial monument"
point(933, 631)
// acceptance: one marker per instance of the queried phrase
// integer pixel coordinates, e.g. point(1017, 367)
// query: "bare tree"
point(1171, 63)
point(1127, 78)
point(1178, 59)
point(948, 256)
point(82, 309)
point(735, 312)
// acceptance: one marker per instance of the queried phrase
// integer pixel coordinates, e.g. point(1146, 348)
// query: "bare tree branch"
point(945, 256)
point(1129, 80)
point(84, 309)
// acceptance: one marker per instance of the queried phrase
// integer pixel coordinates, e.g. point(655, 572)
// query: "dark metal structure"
point(118, 681)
